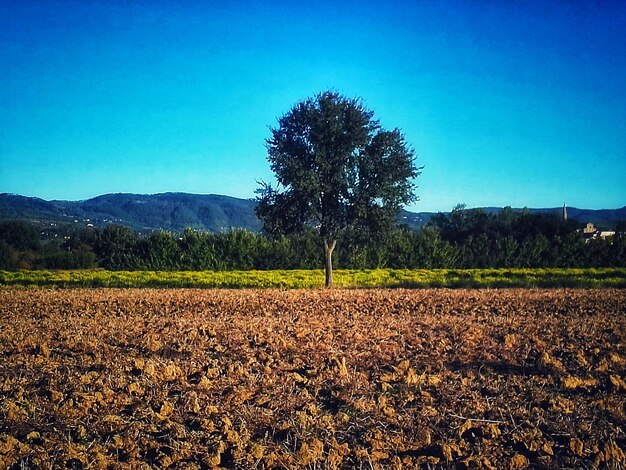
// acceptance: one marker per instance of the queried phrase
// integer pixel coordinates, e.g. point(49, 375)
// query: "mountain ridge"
point(214, 212)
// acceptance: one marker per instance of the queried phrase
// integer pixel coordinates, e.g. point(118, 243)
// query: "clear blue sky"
point(506, 103)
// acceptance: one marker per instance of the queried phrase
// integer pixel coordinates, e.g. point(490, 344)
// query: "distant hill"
point(176, 211)
point(168, 211)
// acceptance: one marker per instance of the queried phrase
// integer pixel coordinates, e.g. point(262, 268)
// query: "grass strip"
point(307, 279)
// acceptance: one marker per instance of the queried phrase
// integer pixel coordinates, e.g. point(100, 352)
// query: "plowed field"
point(106, 378)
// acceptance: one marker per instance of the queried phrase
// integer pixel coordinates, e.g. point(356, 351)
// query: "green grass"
point(306, 279)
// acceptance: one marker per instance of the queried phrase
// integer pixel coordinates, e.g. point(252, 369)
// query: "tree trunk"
point(328, 250)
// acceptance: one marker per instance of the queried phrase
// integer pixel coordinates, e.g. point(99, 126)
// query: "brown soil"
point(107, 378)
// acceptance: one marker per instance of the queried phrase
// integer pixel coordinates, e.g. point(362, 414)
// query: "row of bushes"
point(461, 239)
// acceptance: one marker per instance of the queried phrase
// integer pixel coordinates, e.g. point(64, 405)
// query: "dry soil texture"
point(312, 379)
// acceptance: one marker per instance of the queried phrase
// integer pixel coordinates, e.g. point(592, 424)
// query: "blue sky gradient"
point(506, 103)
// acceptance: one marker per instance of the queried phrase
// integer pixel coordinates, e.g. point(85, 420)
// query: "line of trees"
point(461, 239)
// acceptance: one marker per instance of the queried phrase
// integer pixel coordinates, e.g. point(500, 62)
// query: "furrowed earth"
point(437, 378)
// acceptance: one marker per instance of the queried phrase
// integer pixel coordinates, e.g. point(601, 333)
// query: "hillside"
point(176, 211)
point(169, 211)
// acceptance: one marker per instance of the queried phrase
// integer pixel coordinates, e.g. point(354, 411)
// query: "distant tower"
point(564, 212)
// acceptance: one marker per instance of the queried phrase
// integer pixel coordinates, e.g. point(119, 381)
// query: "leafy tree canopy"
point(336, 168)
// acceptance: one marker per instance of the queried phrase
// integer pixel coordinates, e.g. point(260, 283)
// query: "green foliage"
point(119, 248)
point(197, 251)
point(431, 251)
point(237, 249)
point(305, 279)
point(9, 257)
point(19, 235)
point(159, 251)
point(336, 169)
point(82, 258)
point(523, 239)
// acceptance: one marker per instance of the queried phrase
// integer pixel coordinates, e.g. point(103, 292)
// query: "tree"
point(116, 248)
point(160, 251)
point(20, 235)
point(336, 168)
point(9, 258)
